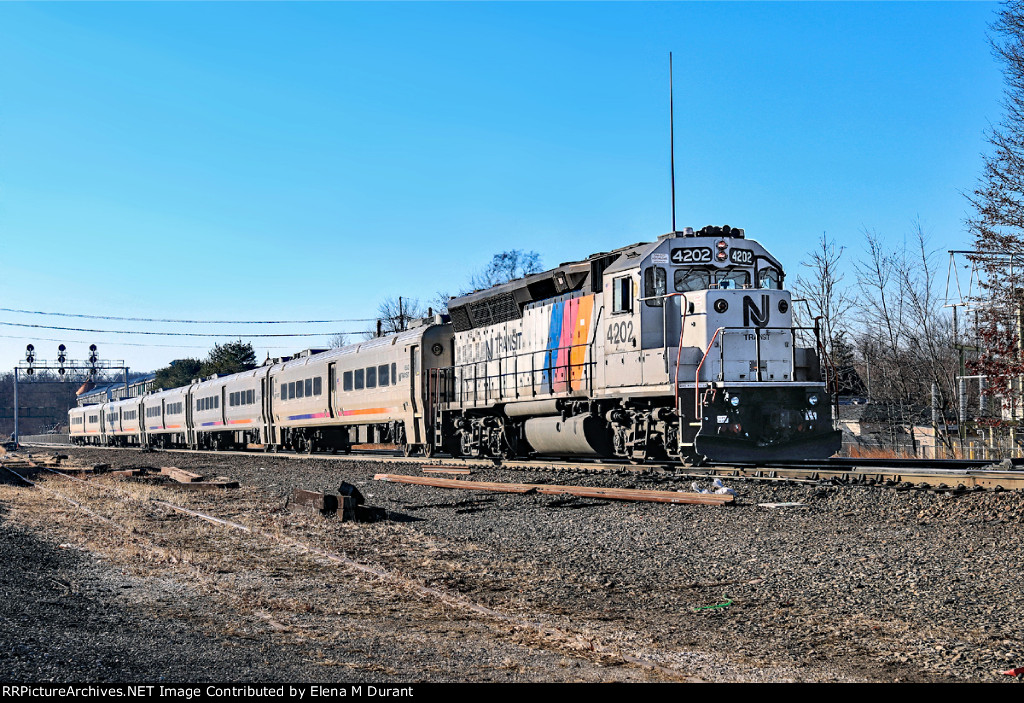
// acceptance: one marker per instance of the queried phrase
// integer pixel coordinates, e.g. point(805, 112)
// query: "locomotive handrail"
point(696, 380)
point(462, 381)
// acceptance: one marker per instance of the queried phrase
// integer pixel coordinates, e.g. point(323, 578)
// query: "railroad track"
point(934, 474)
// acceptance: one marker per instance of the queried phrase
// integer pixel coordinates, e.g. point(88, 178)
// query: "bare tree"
point(338, 340)
point(394, 315)
point(506, 266)
point(829, 302)
point(905, 340)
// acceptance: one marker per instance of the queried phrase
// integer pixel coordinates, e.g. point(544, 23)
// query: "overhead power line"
point(126, 344)
point(189, 322)
point(175, 334)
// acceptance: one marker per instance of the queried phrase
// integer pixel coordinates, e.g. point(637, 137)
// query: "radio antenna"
point(672, 140)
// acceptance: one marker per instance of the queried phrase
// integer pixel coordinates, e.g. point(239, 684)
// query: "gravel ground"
point(857, 584)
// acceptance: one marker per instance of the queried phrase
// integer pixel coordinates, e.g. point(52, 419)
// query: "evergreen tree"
point(998, 222)
point(228, 358)
point(179, 373)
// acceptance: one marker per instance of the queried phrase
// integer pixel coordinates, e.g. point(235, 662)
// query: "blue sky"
point(301, 161)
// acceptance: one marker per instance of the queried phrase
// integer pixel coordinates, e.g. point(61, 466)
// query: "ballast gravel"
point(854, 583)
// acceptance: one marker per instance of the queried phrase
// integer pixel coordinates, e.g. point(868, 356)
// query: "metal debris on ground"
point(781, 505)
point(717, 488)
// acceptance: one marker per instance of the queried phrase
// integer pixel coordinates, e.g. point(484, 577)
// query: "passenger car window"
point(347, 381)
point(382, 375)
point(317, 386)
point(309, 387)
point(371, 377)
point(359, 379)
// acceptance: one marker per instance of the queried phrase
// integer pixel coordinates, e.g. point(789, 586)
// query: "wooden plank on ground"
point(122, 472)
point(313, 502)
point(580, 491)
point(180, 475)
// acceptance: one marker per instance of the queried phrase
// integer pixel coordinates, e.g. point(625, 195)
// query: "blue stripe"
point(554, 334)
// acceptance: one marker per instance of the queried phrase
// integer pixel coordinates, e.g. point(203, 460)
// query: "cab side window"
point(655, 286)
point(622, 294)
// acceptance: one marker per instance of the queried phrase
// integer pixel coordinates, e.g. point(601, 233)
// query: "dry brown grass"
point(871, 453)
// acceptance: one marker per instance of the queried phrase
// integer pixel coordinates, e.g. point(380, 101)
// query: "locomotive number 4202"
point(691, 255)
point(620, 332)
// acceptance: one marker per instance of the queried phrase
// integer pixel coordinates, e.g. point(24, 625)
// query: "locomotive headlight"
point(721, 256)
point(813, 399)
point(783, 306)
point(721, 305)
point(722, 244)
point(734, 401)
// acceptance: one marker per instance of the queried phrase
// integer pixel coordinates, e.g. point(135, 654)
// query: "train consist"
point(679, 348)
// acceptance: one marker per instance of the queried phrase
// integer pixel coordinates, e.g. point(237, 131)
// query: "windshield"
point(769, 278)
point(691, 279)
point(733, 279)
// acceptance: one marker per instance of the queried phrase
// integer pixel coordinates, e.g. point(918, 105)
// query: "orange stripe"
point(581, 337)
point(368, 411)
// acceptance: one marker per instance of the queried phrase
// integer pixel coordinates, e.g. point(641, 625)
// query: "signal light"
point(60, 371)
point(30, 371)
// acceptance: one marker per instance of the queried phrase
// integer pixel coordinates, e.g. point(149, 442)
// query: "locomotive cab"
point(703, 316)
